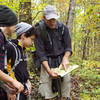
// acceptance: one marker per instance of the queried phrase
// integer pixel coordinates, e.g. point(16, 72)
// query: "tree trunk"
point(25, 14)
point(70, 15)
point(84, 49)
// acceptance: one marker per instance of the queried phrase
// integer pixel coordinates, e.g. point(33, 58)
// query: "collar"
point(18, 43)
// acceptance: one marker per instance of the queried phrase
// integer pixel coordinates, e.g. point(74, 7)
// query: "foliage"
point(86, 29)
point(85, 41)
point(88, 80)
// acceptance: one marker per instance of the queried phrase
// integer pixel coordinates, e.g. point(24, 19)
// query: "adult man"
point(7, 25)
point(53, 47)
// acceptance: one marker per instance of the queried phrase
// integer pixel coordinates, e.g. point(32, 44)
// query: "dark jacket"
point(60, 43)
point(21, 72)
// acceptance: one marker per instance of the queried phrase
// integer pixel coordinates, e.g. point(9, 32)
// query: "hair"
point(29, 33)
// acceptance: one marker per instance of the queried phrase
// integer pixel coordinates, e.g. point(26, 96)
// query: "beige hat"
point(50, 12)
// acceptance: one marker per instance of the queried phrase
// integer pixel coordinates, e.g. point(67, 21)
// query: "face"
point(28, 41)
point(9, 30)
point(51, 23)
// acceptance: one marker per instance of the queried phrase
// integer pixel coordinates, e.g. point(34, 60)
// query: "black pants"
point(3, 94)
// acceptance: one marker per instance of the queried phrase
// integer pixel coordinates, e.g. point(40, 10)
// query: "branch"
point(36, 15)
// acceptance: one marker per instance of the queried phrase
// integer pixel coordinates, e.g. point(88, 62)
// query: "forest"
point(82, 17)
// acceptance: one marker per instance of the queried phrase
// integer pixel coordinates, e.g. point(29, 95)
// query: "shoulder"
point(10, 45)
point(40, 27)
point(39, 23)
point(61, 24)
point(1, 38)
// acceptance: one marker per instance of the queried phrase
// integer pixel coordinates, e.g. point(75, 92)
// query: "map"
point(62, 72)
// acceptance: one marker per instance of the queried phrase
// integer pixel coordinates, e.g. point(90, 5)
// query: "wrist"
point(49, 71)
point(65, 57)
point(46, 66)
point(11, 80)
point(67, 54)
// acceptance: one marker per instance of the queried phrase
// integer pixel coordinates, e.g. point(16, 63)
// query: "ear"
point(44, 17)
point(22, 36)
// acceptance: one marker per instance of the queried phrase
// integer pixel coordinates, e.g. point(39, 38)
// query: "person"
point(25, 37)
point(8, 20)
point(53, 48)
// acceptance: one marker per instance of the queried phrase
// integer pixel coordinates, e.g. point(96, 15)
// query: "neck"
point(21, 43)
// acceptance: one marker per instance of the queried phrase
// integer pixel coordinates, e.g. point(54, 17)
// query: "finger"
point(64, 66)
point(60, 67)
point(12, 90)
point(10, 85)
point(26, 93)
point(55, 75)
point(13, 98)
point(29, 91)
point(20, 89)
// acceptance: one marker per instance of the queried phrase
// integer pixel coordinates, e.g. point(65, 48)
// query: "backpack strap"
point(5, 60)
point(61, 28)
point(44, 34)
point(18, 56)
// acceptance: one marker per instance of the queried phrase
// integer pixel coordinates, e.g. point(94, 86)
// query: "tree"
point(25, 14)
point(71, 15)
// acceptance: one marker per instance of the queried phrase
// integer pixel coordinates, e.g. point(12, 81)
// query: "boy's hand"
point(11, 97)
point(10, 90)
point(18, 86)
point(26, 92)
point(29, 86)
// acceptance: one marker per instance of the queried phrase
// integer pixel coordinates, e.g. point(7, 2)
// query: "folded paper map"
point(62, 72)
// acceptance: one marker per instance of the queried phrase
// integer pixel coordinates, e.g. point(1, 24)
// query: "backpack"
point(44, 35)
point(3, 89)
point(17, 59)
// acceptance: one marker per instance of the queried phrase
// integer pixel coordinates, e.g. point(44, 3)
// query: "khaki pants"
point(45, 85)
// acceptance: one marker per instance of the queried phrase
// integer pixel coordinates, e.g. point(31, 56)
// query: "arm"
point(29, 88)
point(10, 81)
point(43, 58)
point(68, 49)
point(6, 78)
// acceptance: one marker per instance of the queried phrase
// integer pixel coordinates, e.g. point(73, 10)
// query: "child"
point(17, 57)
point(7, 25)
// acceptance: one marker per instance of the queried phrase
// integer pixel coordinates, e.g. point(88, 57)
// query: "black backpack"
point(43, 35)
point(17, 58)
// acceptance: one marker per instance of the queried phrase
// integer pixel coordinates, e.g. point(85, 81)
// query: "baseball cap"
point(50, 12)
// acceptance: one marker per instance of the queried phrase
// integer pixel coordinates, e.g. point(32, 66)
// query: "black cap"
point(7, 16)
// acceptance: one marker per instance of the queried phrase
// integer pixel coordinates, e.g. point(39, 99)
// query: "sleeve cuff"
point(70, 50)
point(43, 59)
